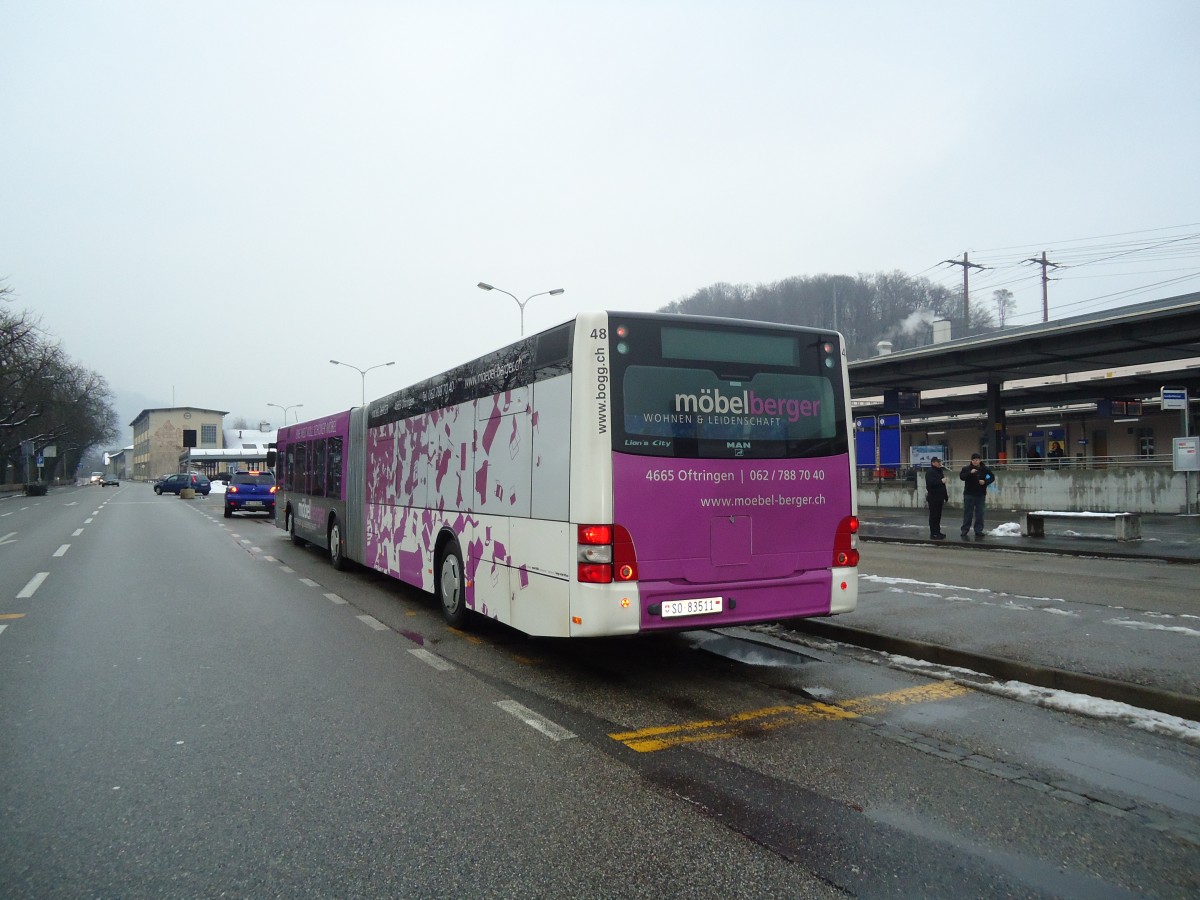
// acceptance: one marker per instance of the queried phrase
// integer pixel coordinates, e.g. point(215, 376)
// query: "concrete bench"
point(1128, 525)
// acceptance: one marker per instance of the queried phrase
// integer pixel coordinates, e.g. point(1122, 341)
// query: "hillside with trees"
point(866, 309)
point(47, 399)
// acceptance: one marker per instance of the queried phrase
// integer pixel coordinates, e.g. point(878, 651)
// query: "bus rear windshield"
point(725, 392)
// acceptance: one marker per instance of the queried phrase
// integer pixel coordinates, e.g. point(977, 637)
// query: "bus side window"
point(300, 482)
point(333, 485)
point(317, 487)
point(289, 459)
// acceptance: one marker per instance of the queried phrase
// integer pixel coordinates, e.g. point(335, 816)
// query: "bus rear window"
point(684, 391)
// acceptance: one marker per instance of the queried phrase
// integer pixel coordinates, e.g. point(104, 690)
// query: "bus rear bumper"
point(814, 593)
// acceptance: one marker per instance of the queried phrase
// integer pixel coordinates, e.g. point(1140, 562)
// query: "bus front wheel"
point(296, 539)
point(452, 586)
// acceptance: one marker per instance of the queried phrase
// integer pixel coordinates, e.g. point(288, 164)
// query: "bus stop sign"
point(1174, 398)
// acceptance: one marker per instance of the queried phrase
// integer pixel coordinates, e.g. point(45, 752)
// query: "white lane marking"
point(372, 622)
point(62, 551)
point(5, 539)
point(309, 582)
point(2, 627)
point(432, 659)
point(550, 729)
point(286, 569)
point(34, 583)
point(87, 521)
point(334, 598)
point(77, 532)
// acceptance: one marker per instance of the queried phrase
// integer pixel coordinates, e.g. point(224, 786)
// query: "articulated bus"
point(620, 473)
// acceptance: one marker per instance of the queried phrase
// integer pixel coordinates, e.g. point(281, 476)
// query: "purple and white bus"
point(617, 474)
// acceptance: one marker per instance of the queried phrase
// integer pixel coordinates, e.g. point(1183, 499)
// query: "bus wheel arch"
point(336, 541)
point(450, 580)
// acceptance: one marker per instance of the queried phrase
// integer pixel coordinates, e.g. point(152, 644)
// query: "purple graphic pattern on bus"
point(422, 476)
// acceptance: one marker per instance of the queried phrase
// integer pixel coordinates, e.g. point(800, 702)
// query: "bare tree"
point(1005, 304)
point(45, 398)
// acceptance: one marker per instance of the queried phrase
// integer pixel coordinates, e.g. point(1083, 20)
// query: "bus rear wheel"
point(337, 556)
point(452, 585)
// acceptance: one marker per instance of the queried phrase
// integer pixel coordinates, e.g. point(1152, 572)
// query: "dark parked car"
point(173, 484)
point(250, 492)
point(106, 480)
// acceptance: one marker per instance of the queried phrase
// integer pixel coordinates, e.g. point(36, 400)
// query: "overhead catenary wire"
point(1122, 255)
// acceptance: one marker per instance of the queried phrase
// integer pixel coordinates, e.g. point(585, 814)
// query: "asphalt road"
point(195, 707)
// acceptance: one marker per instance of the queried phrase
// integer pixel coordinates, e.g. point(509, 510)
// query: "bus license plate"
point(702, 606)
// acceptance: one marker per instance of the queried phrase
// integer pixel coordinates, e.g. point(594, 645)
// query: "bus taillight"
point(845, 543)
point(605, 554)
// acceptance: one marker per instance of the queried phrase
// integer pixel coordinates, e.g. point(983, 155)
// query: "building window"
point(1145, 441)
point(208, 435)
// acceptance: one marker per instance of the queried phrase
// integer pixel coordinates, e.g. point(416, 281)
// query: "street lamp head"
point(483, 285)
point(335, 362)
point(557, 291)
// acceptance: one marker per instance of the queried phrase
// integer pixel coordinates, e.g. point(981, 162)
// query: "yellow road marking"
point(13, 616)
point(650, 740)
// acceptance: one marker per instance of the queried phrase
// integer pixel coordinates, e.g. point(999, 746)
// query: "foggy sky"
point(207, 201)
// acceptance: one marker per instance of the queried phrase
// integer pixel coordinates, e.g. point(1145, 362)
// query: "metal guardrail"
point(909, 474)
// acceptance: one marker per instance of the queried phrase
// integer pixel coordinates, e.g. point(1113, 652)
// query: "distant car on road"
point(173, 484)
point(250, 492)
point(97, 478)
point(106, 480)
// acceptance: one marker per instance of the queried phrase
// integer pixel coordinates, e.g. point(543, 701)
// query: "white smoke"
point(916, 321)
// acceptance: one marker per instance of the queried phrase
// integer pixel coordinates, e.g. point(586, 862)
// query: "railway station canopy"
point(1130, 352)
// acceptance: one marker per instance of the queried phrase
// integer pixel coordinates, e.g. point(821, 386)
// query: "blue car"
point(250, 492)
point(173, 484)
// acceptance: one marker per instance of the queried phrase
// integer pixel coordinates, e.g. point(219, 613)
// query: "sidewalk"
point(1175, 538)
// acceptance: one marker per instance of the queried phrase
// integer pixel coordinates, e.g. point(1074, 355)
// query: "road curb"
point(998, 544)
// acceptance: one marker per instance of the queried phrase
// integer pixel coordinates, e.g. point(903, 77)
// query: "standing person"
point(936, 496)
point(1056, 454)
point(975, 478)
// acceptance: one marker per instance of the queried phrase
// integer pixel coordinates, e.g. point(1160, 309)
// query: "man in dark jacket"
point(936, 496)
point(975, 478)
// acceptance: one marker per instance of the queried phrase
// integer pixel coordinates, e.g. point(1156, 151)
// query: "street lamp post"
point(484, 286)
point(363, 373)
point(285, 410)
